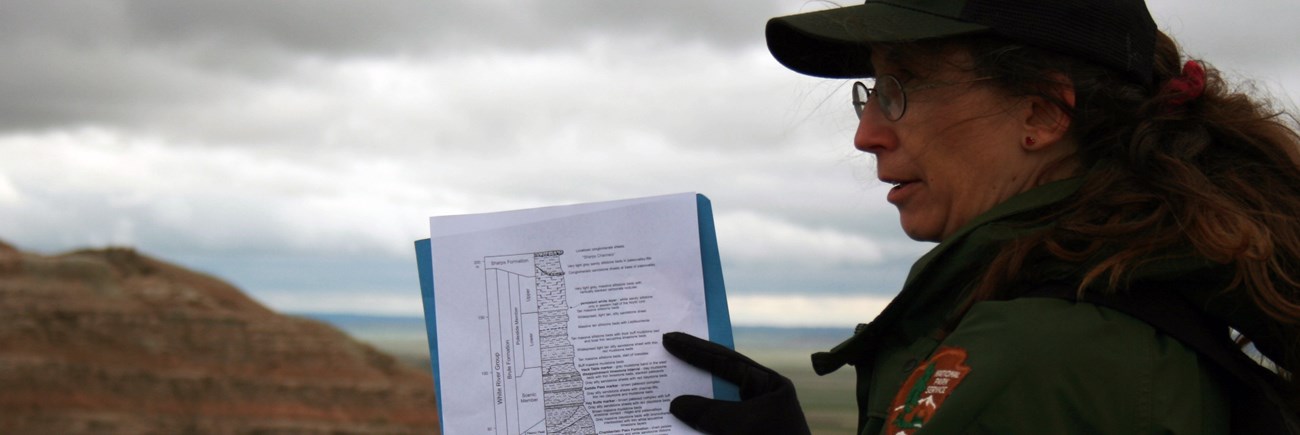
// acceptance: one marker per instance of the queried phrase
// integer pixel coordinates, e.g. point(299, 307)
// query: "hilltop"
point(112, 341)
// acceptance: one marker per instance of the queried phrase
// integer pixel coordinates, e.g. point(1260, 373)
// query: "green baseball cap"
point(834, 43)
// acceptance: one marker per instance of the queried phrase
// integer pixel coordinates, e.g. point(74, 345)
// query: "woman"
point(1105, 212)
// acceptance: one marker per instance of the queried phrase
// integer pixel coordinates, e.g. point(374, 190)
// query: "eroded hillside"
point(112, 341)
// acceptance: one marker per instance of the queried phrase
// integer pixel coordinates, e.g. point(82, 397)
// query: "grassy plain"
point(828, 401)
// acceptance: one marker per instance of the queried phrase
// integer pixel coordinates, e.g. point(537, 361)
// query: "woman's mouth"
point(901, 191)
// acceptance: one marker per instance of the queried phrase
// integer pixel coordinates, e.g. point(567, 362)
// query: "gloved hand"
point(767, 401)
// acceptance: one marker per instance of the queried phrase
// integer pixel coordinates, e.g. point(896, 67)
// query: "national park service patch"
point(926, 389)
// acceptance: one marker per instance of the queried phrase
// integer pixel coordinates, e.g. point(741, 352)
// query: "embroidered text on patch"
point(926, 389)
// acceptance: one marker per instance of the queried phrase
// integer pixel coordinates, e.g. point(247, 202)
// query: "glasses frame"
point(862, 95)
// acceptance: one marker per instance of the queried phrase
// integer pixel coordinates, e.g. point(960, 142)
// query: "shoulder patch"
point(926, 389)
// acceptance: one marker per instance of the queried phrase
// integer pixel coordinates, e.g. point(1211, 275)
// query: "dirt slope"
point(114, 342)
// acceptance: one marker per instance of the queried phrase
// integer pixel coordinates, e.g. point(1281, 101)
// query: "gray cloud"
point(296, 147)
point(333, 28)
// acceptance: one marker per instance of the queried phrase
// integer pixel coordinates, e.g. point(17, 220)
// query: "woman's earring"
point(1029, 141)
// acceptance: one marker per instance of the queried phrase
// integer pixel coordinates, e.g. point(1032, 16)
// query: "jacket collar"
point(939, 279)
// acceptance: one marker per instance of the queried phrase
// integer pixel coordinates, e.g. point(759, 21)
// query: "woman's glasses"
point(888, 92)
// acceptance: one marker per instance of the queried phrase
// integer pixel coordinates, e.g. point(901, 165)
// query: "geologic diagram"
point(537, 387)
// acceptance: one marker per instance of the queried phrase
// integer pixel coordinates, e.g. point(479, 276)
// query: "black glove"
point(767, 401)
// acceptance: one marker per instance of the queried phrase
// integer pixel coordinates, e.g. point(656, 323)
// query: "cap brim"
point(834, 43)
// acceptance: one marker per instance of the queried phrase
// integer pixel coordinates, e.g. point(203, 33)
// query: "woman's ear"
point(1046, 121)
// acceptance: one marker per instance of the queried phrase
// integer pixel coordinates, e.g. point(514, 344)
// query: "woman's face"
point(956, 152)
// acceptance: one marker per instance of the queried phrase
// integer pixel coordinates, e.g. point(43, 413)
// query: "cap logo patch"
point(926, 389)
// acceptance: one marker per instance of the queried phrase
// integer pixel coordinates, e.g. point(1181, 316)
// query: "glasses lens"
point(860, 97)
point(889, 93)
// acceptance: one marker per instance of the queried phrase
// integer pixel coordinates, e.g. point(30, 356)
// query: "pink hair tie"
point(1188, 86)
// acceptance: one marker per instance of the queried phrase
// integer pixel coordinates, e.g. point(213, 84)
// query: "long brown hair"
point(1216, 178)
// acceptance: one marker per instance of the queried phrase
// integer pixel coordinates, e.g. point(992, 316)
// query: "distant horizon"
point(405, 336)
point(340, 317)
point(405, 317)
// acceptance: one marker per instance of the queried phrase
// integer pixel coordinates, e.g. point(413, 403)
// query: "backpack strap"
point(1256, 407)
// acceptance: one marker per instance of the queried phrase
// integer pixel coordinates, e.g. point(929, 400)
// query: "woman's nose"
point(875, 133)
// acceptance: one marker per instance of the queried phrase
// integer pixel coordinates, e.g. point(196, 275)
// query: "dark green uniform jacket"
point(1026, 365)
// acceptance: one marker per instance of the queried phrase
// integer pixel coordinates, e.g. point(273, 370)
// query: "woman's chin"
point(919, 232)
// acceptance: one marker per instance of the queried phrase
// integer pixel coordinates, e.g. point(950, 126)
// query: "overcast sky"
point(297, 148)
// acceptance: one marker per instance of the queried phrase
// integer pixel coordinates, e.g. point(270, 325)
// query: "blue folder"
point(715, 298)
